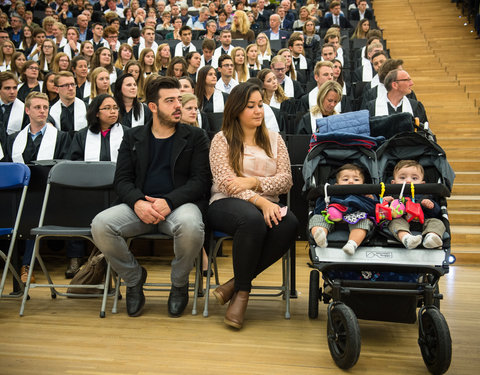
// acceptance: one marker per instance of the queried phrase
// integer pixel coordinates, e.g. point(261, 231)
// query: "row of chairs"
point(95, 178)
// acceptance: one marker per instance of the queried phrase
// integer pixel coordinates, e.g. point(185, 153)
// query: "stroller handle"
point(433, 189)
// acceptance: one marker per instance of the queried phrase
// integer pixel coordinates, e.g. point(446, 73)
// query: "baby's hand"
point(427, 203)
point(388, 198)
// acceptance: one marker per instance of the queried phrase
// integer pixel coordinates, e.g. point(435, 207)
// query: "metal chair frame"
point(162, 287)
point(283, 289)
point(13, 177)
point(84, 175)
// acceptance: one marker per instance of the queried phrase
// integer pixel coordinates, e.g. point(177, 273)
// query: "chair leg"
point(286, 282)
point(30, 272)
point(198, 276)
point(8, 266)
point(117, 292)
point(105, 291)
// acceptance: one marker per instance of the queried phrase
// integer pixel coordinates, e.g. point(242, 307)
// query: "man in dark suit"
point(361, 12)
point(162, 181)
point(398, 85)
point(334, 17)
point(275, 33)
point(286, 23)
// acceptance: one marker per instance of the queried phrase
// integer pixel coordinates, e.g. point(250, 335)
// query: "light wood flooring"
point(66, 336)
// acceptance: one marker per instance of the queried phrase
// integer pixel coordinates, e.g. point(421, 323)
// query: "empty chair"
point(67, 216)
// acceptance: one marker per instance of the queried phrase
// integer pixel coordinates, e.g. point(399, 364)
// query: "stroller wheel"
point(435, 341)
point(343, 334)
point(313, 294)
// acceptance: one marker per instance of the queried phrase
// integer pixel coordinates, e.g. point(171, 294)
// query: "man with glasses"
point(292, 88)
point(275, 33)
point(15, 32)
point(226, 82)
point(398, 85)
point(162, 181)
point(68, 113)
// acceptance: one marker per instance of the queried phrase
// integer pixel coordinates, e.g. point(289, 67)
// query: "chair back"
point(13, 175)
point(83, 175)
point(76, 191)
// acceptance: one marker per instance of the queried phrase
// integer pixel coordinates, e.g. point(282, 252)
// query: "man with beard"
point(162, 181)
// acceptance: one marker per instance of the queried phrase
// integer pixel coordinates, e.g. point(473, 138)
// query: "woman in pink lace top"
point(250, 167)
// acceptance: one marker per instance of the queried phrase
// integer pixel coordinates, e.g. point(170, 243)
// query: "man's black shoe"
point(135, 296)
point(177, 300)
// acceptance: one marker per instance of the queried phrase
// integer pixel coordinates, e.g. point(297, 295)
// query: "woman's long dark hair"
point(92, 111)
point(232, 129)
point(117, 93)
point(200, 86)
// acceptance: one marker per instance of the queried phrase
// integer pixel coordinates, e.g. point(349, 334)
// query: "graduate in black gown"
point(101, 139)
point(132, 112)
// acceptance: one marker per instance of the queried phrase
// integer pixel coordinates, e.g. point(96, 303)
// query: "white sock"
point(432, 240)
point(410, 241)
point(350, 247)
point(320, 238)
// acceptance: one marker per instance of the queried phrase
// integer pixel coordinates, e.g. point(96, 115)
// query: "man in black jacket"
point(162, 181)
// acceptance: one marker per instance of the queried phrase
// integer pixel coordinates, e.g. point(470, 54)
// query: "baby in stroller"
point(411, 171)
point(359, 224)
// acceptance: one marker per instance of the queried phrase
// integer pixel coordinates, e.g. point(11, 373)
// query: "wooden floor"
point(66, 336)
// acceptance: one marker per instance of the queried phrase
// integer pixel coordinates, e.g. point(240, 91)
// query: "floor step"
point(465, 165)
point(467, 177)
point(466, 189)
point(465, 235)
point(466, 254)
point(464, 203)
point(464, 217)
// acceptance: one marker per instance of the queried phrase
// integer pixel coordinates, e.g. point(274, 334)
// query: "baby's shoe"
point(432, 240)
point(320, 238)
point(350, 247)
point(410, 241)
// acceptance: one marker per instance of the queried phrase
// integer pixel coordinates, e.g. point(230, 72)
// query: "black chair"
point(93, 177)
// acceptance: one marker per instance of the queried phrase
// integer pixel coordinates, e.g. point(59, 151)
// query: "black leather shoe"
point(74, 265)
point(177, 300)
point(135, 297)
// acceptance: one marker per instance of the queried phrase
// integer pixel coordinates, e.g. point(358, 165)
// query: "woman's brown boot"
point(224, 292)
point(236, 310)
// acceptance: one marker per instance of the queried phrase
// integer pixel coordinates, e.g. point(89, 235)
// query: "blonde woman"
point(6, 53)
point(361, 30)
point(329, 95)
point(163, 58)
point(99, 83)
point(241, 27)
point(263, 47)
point(252, 57)
point(58, 31)
point(47, 25)
point(240, 66)
point(272, 94)
point(125, 54)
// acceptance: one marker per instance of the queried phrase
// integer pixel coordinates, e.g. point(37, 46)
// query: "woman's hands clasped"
point(271, 212)
point(237, 185)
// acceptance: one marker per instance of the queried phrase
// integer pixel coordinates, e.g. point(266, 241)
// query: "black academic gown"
point(62, 147)
point(417, 108)
point(77, 147)
point(126, 118)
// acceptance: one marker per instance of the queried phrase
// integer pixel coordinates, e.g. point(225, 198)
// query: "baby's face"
point(408, 175)
point(349, 177)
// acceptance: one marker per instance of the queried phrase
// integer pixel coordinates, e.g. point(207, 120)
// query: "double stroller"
point(383, 280)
